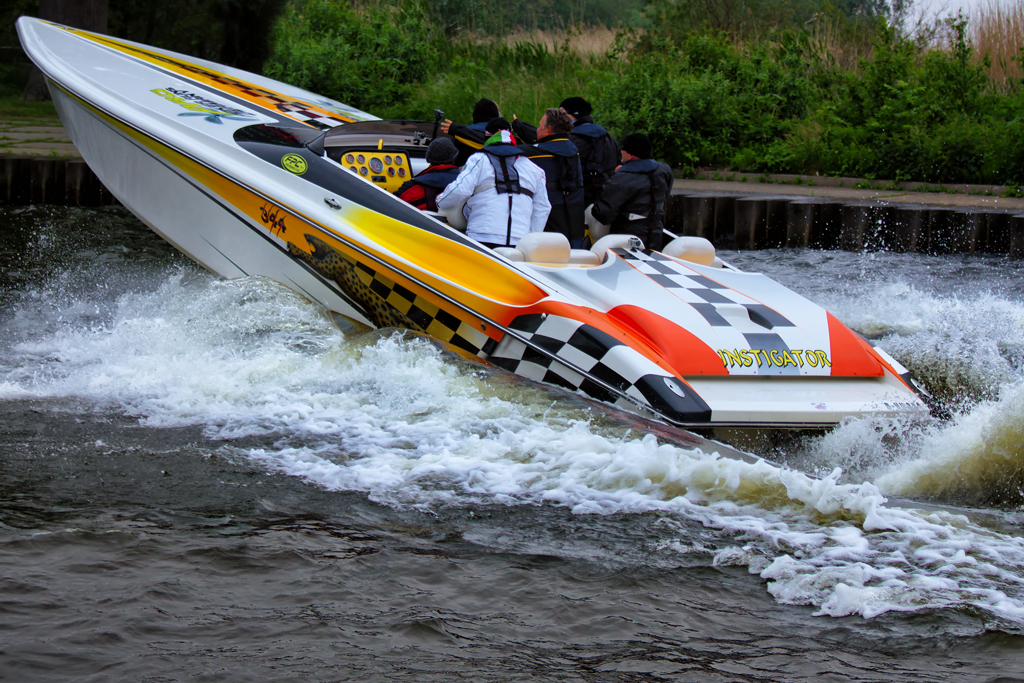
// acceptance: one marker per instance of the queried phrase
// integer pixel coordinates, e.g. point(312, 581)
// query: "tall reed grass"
point(587, 41)
point(524, 73)
point(836, 43)
point(997, 30)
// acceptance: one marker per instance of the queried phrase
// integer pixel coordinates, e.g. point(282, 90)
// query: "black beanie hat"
point(496, 124)
point(637, 144)
point(577, 106)
point(442, 151)
point(485, 110)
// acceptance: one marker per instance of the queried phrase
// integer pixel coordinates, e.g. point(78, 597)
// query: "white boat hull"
point(173, 205)
point(231, 169)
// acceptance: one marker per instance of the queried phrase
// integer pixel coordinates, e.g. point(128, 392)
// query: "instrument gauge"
point(398, 160)
point(350, 158)
point(376, 165)
point(387, 158)
point(401, 173)
point(361, 159)
point(362, 170)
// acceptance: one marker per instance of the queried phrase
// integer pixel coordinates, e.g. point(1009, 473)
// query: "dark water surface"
point(204, 480)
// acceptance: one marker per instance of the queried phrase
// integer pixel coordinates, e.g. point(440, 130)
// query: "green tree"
point(232, 32)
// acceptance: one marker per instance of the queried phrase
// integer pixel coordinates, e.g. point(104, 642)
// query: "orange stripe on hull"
point(681, 349)
point(850, 358)
point(661, 341)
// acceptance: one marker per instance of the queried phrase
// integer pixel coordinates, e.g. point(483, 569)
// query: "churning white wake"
point(397, 418)
point(969, 350)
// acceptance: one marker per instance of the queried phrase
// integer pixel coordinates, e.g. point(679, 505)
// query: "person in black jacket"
point(632, 202)
point(422, 190)
point(558, 158)
point(469, 139)
point(599, 152)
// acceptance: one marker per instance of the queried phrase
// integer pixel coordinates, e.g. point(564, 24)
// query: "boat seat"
point(455, 217)
point(511, 253)
point(693, 249)
point(545, 248)
point(583, 257)
point(443, 218)
point(601, 247)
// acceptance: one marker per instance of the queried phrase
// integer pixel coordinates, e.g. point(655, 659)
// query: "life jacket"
point(600, 160)
point(422, 190)
point(559, 159)
point(653, 220)
point(506, 178)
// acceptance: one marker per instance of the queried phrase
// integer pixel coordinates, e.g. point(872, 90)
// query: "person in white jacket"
point(505, 193)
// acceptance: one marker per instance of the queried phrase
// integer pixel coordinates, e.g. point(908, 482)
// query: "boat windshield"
point(375, 133)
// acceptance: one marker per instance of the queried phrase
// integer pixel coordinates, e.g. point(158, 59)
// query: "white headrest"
point(511, 253)
point(607, 242)
point(597, 229)
point(693, 249)
point(544, 247)
point(584, 257)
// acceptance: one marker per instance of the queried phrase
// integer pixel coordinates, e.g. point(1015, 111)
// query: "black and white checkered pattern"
point(718, 304)
point(701, 292)
point(429, 318)
point(600, 362)
point(316, 118)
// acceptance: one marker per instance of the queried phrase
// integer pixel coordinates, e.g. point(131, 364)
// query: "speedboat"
point(250, 176)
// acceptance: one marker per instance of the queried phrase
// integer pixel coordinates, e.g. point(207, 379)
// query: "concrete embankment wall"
point(49, 180)
point(734, 221)
point(729, 219)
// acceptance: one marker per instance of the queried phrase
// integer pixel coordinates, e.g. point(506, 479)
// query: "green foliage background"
point(746, 85)
point(771, 97)
point(906, 113)
point(371, 59)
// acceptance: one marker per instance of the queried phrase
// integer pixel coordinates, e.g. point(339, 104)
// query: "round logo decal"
point(293, 163)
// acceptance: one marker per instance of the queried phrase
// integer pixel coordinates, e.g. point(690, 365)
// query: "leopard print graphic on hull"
point(390, 304)
point(334, 265)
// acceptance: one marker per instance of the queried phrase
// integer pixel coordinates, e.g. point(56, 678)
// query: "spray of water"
point(398, 418)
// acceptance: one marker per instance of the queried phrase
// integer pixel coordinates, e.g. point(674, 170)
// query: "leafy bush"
point(910, 113)
point(370, 59)
point(705, 100)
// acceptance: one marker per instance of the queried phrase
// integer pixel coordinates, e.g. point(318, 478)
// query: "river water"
point(207, 481)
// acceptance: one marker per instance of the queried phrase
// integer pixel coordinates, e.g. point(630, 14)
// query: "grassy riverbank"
point(13, 107)
point(12, 83)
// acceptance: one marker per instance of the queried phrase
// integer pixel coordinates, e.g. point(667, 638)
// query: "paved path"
point(35, 137)
point(849, 194)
